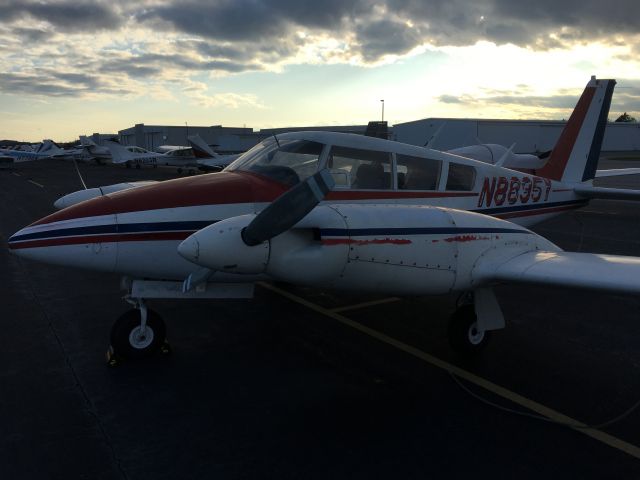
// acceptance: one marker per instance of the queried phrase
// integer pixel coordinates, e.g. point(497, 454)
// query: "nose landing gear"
point(138, 333)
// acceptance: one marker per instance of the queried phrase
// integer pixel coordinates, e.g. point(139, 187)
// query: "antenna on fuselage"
point(433, 138)
point(504, 156)
point(75, 163)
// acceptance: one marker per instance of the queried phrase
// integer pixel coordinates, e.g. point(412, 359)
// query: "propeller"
point(288, 209)
point(238, 244)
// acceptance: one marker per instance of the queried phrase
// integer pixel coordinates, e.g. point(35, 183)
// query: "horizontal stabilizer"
point(589, 191)
point(617, 172)
point(610, 273)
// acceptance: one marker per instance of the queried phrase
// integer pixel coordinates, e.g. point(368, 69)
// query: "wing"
point(616, 172)
point(612, 273)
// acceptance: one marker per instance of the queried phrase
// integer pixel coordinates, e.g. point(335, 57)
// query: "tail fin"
point(119, 154)
point(200, 148)
point(575, 156)
point(87, 142)
point(50, 147)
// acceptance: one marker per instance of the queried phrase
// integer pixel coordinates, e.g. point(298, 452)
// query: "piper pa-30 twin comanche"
point(348, 212)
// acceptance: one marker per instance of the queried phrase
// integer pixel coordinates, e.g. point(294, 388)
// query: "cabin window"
point(416, 173)
point(360, 169)
point(461, 177)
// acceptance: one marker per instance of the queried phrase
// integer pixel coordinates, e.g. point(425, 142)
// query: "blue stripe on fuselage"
point(114, 228)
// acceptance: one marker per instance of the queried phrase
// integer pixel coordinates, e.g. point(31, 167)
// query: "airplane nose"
point(67, 244)
point(12, 242)
point(190, 248)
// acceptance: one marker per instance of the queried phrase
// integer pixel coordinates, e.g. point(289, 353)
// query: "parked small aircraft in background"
point(47, 149)
point(93, 151)
point(137, 156)
point(348, 212)
point(89, 193)
point(207, 159)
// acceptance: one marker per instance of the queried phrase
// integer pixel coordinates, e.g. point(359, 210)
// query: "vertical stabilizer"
point(200, 148)
point(575, 156)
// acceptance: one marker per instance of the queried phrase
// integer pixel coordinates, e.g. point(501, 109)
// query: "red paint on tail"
point(562, 151)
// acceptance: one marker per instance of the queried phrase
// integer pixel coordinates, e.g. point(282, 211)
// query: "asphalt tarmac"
point(300, 383)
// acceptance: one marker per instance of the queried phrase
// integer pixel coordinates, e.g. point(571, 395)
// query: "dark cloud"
point(55, 84)
point(253, 20)
point(449, 99)
point(384, 37)
point(67, 16)
point(234, 36)
point(625, 99)
point(128, 67)
point(32, 35)
point(554, 101)
point(152, 64)
point(381, 27)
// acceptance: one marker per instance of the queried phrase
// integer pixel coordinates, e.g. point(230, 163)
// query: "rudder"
point(575, 156)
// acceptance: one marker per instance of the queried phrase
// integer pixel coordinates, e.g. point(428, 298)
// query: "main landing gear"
point(464, 335)
point(471, 325)
point(138, 333)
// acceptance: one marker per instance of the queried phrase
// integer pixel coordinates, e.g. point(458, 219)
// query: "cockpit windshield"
point(286, 161)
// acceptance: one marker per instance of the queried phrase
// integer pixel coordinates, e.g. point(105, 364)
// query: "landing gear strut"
point(138, 333)
point(471, 324)
point(465, 337)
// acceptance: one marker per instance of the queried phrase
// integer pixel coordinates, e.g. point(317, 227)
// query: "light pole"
point(382, 101)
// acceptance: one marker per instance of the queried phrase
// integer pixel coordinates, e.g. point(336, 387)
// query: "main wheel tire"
point(128, 340)
point(464, 336)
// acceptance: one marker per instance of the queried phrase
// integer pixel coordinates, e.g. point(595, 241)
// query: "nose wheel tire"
point(464, 336)
point(130, 340)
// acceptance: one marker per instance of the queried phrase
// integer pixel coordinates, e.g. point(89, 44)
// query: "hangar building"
point(530, 136)
point(224, 139)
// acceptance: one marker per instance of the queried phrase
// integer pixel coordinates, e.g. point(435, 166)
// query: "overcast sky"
point(76, 67)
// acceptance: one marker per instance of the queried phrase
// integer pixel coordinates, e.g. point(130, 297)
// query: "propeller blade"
point(288, 209)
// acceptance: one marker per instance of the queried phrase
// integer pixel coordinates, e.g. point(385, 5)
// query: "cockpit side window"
point(287, 161)
point(360, 169)
point(417, 173)
point(461, 177)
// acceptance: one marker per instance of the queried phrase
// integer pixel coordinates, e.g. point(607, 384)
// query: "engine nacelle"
point(391, 249)
point(220, 247)
point(402, 250)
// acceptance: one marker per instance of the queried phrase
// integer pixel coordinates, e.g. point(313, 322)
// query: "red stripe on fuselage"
point(210, 189)
point(375, 241)
point(132, 237)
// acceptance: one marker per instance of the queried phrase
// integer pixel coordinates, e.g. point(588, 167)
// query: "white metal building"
point(530, 136)
point(224, 139)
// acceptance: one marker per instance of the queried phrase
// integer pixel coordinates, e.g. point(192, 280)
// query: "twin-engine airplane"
point(347, 212)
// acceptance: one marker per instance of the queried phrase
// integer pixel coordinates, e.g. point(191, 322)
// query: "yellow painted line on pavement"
point(35, 183)
point(532, 405)
point(365, 304)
